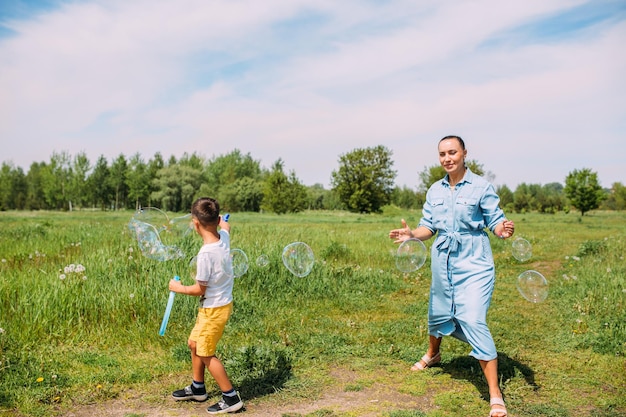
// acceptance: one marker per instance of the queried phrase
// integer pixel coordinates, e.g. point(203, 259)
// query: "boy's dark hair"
point(206, 210)
point(458, 138)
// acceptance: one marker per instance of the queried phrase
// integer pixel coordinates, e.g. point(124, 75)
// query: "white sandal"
point(497, 401)
point(428, 362)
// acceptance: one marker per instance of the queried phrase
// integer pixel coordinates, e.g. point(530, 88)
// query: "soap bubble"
point(157, 236)
point(521, 249)
point(262, 261)
point(298, 258)
point(411, 255)
point(179, 227)
point(239, 261)
point(532, 286)
point(193, 267)
point(153, 216)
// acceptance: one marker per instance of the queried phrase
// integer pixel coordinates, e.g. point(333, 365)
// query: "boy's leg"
point(197, 363)
point(196, 391)
point(231, 401)
point(218, 372)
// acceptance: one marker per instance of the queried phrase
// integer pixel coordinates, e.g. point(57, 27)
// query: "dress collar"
point(467, 177)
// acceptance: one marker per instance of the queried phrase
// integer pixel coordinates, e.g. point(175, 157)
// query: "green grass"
point(66, 342)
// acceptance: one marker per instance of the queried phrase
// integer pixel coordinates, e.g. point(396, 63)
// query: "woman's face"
point(452, 156)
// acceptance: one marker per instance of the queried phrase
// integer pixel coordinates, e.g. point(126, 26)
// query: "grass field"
point(80, 310)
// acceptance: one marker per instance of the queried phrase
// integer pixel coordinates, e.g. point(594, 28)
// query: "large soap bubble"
point(521, 249)
point(533, 286)
point(158, 236)
point(179, 227)
point(411, 255)
point(298, 258)
point(239, 261)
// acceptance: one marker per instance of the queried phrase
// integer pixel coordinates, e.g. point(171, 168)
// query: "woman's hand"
point(507, 228)
point(400, 235)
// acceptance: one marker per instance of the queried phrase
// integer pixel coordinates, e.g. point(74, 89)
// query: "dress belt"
point(452, 240)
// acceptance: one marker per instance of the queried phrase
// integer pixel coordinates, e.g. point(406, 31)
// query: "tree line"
point(363, 182)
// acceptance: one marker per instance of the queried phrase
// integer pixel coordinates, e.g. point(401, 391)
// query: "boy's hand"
point(175, 285)
point(224, 223)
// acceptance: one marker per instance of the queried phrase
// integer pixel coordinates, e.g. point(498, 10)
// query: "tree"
point(154, 166)
point(117, 180)
point(138, 181)
point(316, 194)
point(19, 186)
point(54, 180)
point(13, 187)
point(506, 197)
point(583, 190)
point(552, 197)
point(100, 184)
point(34, 190)
point(222, 172)
point(282, 193)
point(248, 194)
point(522, 198)
point(616, 199)
point(364, 180)
point(77, 188)
point(407, 198)
point(176, 186)
point(5, 186)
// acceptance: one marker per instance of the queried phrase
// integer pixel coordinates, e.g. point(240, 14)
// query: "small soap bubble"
point(521, 249)
point(262, 261)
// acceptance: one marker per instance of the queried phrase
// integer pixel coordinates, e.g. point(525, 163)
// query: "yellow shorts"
point(209, 328)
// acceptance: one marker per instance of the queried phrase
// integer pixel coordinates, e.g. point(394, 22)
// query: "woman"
point(458, 208)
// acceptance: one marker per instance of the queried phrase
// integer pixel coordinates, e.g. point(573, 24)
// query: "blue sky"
point(536, 88)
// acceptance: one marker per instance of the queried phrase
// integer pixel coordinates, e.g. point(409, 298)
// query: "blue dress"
point(463, 272)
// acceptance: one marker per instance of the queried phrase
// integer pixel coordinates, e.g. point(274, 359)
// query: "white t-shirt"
point(215, 271)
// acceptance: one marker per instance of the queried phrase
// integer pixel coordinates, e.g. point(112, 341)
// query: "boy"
point(214, 284)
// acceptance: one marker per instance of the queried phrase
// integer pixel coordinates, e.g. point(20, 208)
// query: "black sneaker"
point(226, 405)
point(190, 393)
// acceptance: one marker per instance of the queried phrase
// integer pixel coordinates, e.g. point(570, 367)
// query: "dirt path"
point(367, 402)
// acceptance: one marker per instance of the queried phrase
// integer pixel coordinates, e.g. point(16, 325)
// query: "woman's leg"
point(432, 354)
point(433, 346)
point(490, 369)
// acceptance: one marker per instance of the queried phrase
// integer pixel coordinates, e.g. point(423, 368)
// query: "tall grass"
point(69, 338)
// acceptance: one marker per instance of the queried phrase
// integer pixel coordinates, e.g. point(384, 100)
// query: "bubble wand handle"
point(168, 310)
point(226, 217)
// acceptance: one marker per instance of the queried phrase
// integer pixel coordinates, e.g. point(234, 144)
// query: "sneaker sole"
point(231, 409)
point(197, 398)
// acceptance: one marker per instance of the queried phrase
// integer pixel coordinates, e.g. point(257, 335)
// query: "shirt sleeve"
point(490, 205)
point(225, 237)
point(427, 213)
point(204, 269)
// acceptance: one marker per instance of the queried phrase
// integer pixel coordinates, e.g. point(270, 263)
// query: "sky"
point(536, 88)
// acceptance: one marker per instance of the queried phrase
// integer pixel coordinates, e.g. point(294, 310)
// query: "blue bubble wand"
point(168, 310)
